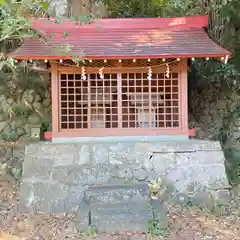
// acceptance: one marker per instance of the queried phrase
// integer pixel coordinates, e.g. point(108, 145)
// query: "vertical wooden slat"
point(82, 105)
point(135, 97)
point(164, 103)
point(110, 86)
point(172, 101)
point(55, 88)
point(74, 99)
point(67, 94)
point(119, 97)
point(150, 103)
point(183, 99)
point(89, 102)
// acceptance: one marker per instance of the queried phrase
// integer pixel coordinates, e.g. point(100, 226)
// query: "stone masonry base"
point(57, 177)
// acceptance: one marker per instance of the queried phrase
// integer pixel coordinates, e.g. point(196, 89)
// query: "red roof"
point(122, 38)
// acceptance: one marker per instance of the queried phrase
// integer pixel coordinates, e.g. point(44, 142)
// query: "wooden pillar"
point(184, 96)
point(119, 98)
point(55, 99)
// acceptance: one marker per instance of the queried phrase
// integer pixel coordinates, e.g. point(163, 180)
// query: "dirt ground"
point(188, 225)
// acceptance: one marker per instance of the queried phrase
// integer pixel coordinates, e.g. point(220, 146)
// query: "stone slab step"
point(117, 193)
point(126, 236)
point(121, 217)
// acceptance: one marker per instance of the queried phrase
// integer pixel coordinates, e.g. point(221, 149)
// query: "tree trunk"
point(79, 8)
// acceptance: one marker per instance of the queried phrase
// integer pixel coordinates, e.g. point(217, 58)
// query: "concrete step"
point(121, 217)
point(117, 193)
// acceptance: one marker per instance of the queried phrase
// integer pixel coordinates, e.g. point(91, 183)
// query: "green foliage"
point(20, 83)
point(89, 234)
point(157, 188)
point(84, 19)
point(233, 166)
point(46, 126)
point(13, 134)
point(12, 166)
point(155, 228)
point(154, 8)
point(204, 72)
point(205, 75)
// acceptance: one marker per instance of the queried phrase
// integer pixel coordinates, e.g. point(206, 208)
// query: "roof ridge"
point(126, 23)
point(127, 18)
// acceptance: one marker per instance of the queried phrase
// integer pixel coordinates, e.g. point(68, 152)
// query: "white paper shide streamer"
point(167, 71)
point(101, 73)
point(83, 73)
point(149, 74)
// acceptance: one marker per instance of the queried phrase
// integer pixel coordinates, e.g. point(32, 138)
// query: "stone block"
point(62, 154)
point(210, 176)
point(56, 198)
point(198, 145)
point(38, 197)
point(207, 157)
point(126, 147)
point(152, 175)
point(140, 174)
point(208, 145)
point(121, 153)
point(67, 174)
point(193, 187)
point(84, 153)
point(116, 181)
point(117, 193)
point(87, 175)
point(67, 157)
point(118, 158)
point(213, 176)
point(163, 162)
point(204, 200)
point(155, 147)
point(121, 217)
point(181, 199)
point(120, 236)
point(37, 167)
point(95, 174)
point(43, 196)
point(236, 135)
point(26, 196)
point(76, 194)
point(222, 196)
point(34, 132)
point(141, 158)
point(71, 209)
point(99, 153)
point(199, 157)
point(83, 216)
point(123, 172)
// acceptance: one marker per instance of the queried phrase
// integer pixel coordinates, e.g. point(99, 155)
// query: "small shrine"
point(131, 80)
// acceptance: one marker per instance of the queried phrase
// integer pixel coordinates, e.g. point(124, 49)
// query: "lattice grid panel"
point(150, 104)
point(94, 102)
point(89, 103)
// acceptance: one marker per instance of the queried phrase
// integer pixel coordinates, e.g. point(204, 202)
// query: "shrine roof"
point(180, 37)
